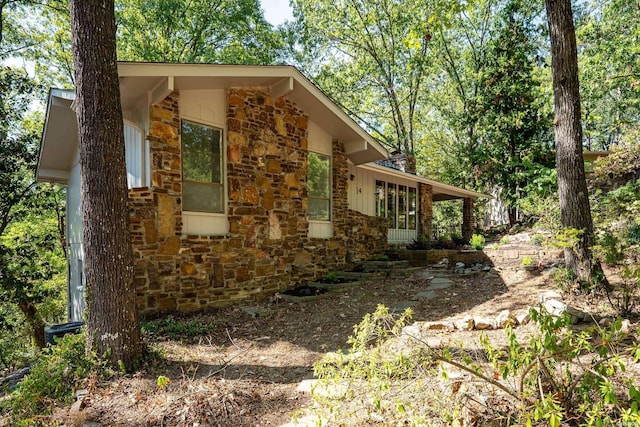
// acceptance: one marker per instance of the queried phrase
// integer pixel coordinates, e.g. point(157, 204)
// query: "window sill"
point(205, 223)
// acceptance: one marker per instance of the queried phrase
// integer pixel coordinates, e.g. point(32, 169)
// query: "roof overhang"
point(59, 138)
point(154, 81)
point(441, 191)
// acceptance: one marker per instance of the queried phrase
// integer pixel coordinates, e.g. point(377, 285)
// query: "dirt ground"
point(246, 372)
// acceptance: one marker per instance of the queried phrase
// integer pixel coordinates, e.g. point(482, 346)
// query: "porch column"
point(467, 218)
point(425, 210)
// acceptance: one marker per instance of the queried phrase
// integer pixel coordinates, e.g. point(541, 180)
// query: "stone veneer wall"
point(467, 218)
point(267, 248)
point(366, 236)
point(425, 210)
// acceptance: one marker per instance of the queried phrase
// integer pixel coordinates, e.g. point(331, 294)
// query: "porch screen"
point(319, 186)
point(202, 185)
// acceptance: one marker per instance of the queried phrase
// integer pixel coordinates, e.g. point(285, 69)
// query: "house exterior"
point(243, 181)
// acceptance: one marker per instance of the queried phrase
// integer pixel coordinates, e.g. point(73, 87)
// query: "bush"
point(537, 239)
point(633, 235)
point(612, 249)
point(53, 379)
point(560, 375)
point(527, 261)
point(477, 242)
point(564, 278)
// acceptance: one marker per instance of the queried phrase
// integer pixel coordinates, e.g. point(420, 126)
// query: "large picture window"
point(398, 203)
point(319, 186)
point(412, 208)
point(202, 174)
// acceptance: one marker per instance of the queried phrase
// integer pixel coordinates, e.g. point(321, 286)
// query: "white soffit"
point(441, 191)
point(157, 80)
point(59, 138)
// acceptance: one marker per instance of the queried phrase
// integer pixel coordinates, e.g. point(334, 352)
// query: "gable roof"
point(152, 82)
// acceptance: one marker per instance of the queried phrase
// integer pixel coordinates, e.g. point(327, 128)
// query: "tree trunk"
point(575, 211)
point(36, 324)
point(113, 327)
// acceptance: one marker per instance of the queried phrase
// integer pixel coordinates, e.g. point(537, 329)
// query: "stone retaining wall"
point(267, 248)
point(502, 257)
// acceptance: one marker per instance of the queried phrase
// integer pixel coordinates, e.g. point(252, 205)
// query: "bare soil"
point(246, 372)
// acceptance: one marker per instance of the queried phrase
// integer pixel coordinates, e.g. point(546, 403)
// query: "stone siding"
point(267, 248)
point(425, 210)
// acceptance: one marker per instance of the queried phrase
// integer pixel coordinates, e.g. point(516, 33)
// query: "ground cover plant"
point(558, 375)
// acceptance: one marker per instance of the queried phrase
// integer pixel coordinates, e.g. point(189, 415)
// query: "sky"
point(276, 11)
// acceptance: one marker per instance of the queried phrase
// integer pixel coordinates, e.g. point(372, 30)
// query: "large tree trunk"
point(112, 322)
point(572, 185)
point(36, 324)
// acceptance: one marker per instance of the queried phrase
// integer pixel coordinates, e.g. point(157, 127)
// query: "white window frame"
point(330, 184)
point(208, 223)
point(383, 197)
point(143, 180)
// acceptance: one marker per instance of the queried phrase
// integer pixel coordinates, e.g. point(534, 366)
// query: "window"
point(402, 207)
point(381, 200)
point(319, 186)
point(398, 203)
point(391, 205)
point(412, 208)
point(202, 186)
point(136, 156)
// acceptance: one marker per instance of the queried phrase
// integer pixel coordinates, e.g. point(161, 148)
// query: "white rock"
point(578, 316)
point(460, 265)
point(605, 322)
point(547, 295)
point(625, 327)
point(554, 307)
point(432, 326)
point(504, 318)
point(484, 323)
point(523, 317)
point(557, 308)
point(465, 324)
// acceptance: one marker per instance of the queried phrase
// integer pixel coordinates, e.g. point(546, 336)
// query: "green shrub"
point(504, 240)
point(612, 249)
point(564, 278)
point(53, 379)
point(556, 383)
point(332, 276)
point(420, 243)
point(622, 202)
point(527, 261)
point(477, 242)
point(633, 235)
point(559, 375)
point(537, 239)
